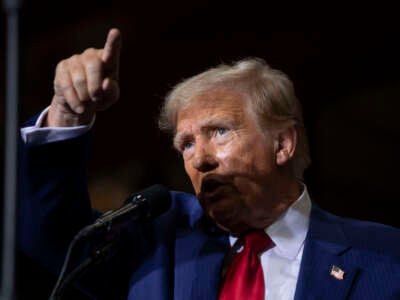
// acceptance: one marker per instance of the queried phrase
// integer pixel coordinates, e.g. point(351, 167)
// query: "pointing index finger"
point(111, 52)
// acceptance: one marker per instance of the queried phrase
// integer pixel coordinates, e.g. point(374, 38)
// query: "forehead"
point(212, 104)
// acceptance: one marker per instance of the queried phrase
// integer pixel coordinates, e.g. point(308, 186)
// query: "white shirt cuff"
point(36, 135)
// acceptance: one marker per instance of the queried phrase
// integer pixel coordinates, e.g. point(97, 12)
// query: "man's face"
point(230, 162)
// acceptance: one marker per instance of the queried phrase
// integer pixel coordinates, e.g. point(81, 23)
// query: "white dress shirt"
point(281, 264)
point(37, 135)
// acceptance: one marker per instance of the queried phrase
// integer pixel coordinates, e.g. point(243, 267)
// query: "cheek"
point(235, 157)
point(249, 163)
point(229, 147)
point(223, 153)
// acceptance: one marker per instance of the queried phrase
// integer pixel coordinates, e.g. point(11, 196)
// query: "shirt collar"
point(289, 231)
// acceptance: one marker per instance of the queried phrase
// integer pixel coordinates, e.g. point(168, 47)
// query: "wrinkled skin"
point(85, 84)
point(239, 173)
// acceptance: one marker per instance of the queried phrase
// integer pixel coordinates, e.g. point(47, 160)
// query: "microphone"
point(145, 205)
point(141, 206)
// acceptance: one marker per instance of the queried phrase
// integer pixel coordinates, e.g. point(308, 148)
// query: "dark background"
point(343, 60)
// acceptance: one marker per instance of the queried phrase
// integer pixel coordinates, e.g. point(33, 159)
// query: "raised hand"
point(85, 84)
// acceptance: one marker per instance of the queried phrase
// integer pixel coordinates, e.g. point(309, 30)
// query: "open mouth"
point(212, 186)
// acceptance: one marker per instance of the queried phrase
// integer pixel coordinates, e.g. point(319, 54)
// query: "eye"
point(221, 130)
point(186, 146)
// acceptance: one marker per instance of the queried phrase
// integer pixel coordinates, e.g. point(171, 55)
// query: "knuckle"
point(72, 64)
point(79, 81)
point(61, 85)
point(90, 52)
point(61, 66)
point(74, 59)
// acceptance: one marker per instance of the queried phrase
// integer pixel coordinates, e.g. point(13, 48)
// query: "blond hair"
point(269, 92)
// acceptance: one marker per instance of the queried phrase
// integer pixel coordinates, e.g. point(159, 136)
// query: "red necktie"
point(245, 279)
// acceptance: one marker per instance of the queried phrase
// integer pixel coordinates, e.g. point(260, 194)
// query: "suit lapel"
point(325, 248)
point(198, 261)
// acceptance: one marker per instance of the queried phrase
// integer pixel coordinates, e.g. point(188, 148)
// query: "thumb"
point(111, 92)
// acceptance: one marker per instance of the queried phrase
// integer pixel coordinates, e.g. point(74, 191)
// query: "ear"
point(285, 145)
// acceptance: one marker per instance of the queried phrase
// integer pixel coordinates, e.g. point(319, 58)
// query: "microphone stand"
point(96, 257)
point(12, 9)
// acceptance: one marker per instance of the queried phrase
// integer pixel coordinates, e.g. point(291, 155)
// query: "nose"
point(204, 159)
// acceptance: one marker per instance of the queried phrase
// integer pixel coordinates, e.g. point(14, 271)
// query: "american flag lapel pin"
point(337, 272)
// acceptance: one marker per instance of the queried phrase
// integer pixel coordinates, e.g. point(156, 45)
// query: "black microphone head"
point(157, 200)
point(140, 206)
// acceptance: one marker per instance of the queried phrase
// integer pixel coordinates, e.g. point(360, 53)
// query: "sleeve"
point(53, 198)
point(54, 205)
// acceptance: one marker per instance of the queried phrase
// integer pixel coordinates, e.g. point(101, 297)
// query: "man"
point(240, 132)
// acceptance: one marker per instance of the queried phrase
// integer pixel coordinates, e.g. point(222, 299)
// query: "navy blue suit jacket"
point(180, 254)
